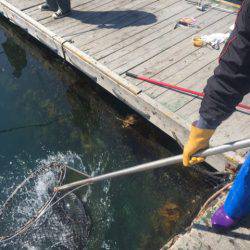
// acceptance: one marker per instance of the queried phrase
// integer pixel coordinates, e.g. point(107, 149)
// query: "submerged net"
point(35, 216)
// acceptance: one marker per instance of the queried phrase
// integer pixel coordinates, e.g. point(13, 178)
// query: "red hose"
point(171, 86)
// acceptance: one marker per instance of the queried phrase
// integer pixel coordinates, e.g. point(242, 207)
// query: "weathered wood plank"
point(192, 60)
point(186, 69)
point(120, 36)
point(39, 15)
point(110, 21)
point(68, 21)
point(25, 4)
point(174, 101)
point(74, 3)
point(168, 65)
point(153, 39)
point(88, 16)
point(189, 80)
point(126, 36)
point(169, 39)
point(159, 65)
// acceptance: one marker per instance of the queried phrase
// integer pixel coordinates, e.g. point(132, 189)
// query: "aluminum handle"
point(157, 164)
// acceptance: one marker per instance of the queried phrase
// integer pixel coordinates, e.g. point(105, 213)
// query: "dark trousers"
point(63, 5)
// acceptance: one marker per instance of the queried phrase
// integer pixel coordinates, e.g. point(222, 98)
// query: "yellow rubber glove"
point(198, 139)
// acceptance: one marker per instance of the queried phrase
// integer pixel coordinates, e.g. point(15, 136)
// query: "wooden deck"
point(107, 38)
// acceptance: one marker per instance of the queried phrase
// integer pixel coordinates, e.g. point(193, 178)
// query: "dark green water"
point(50, 111)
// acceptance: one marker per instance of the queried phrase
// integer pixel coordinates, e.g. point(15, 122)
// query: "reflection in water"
point(16, 56)
point(90, 130)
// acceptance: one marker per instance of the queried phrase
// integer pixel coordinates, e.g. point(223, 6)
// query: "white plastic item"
point(215, 39)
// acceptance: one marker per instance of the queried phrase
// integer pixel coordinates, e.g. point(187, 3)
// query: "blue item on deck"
point(237, 204)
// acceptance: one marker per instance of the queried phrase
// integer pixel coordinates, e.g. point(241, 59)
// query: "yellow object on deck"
point(198, 42)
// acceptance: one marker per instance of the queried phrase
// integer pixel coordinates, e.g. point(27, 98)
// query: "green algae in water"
point(51, 112)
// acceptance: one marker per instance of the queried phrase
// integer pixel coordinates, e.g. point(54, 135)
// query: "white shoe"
point(59, 14)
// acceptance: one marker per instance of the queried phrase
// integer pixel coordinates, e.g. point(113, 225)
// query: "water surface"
point(51, 112)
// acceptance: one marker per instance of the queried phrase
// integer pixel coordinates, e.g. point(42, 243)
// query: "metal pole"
point(157, 164)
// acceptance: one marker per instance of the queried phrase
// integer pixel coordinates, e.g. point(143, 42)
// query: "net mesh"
point(35, 216)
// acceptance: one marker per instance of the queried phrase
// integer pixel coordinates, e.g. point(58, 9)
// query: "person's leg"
point(64, 5)
point(237, 204)
point(64, 8)
point(49, 5)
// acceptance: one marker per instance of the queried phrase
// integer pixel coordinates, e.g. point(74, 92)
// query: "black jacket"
point(231, 79)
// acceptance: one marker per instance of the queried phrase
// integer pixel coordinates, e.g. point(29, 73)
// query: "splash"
point(69, 158)
point(72, 160)
point(65, 225)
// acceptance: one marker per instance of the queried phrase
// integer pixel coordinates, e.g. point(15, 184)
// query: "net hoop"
point(42, 210)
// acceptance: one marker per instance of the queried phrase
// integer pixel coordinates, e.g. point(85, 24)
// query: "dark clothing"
point(231, 79)
point(63, 5)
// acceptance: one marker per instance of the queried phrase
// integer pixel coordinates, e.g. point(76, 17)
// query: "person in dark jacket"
point(224, 91)
point(60, 7)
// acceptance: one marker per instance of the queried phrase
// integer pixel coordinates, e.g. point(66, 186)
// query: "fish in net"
point(35, 215)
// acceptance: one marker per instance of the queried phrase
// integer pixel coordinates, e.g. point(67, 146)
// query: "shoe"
point(59, 14)
point(221, 221)
point(44, 7)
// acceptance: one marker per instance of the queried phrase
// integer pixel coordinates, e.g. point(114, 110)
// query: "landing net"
point(34, 215)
